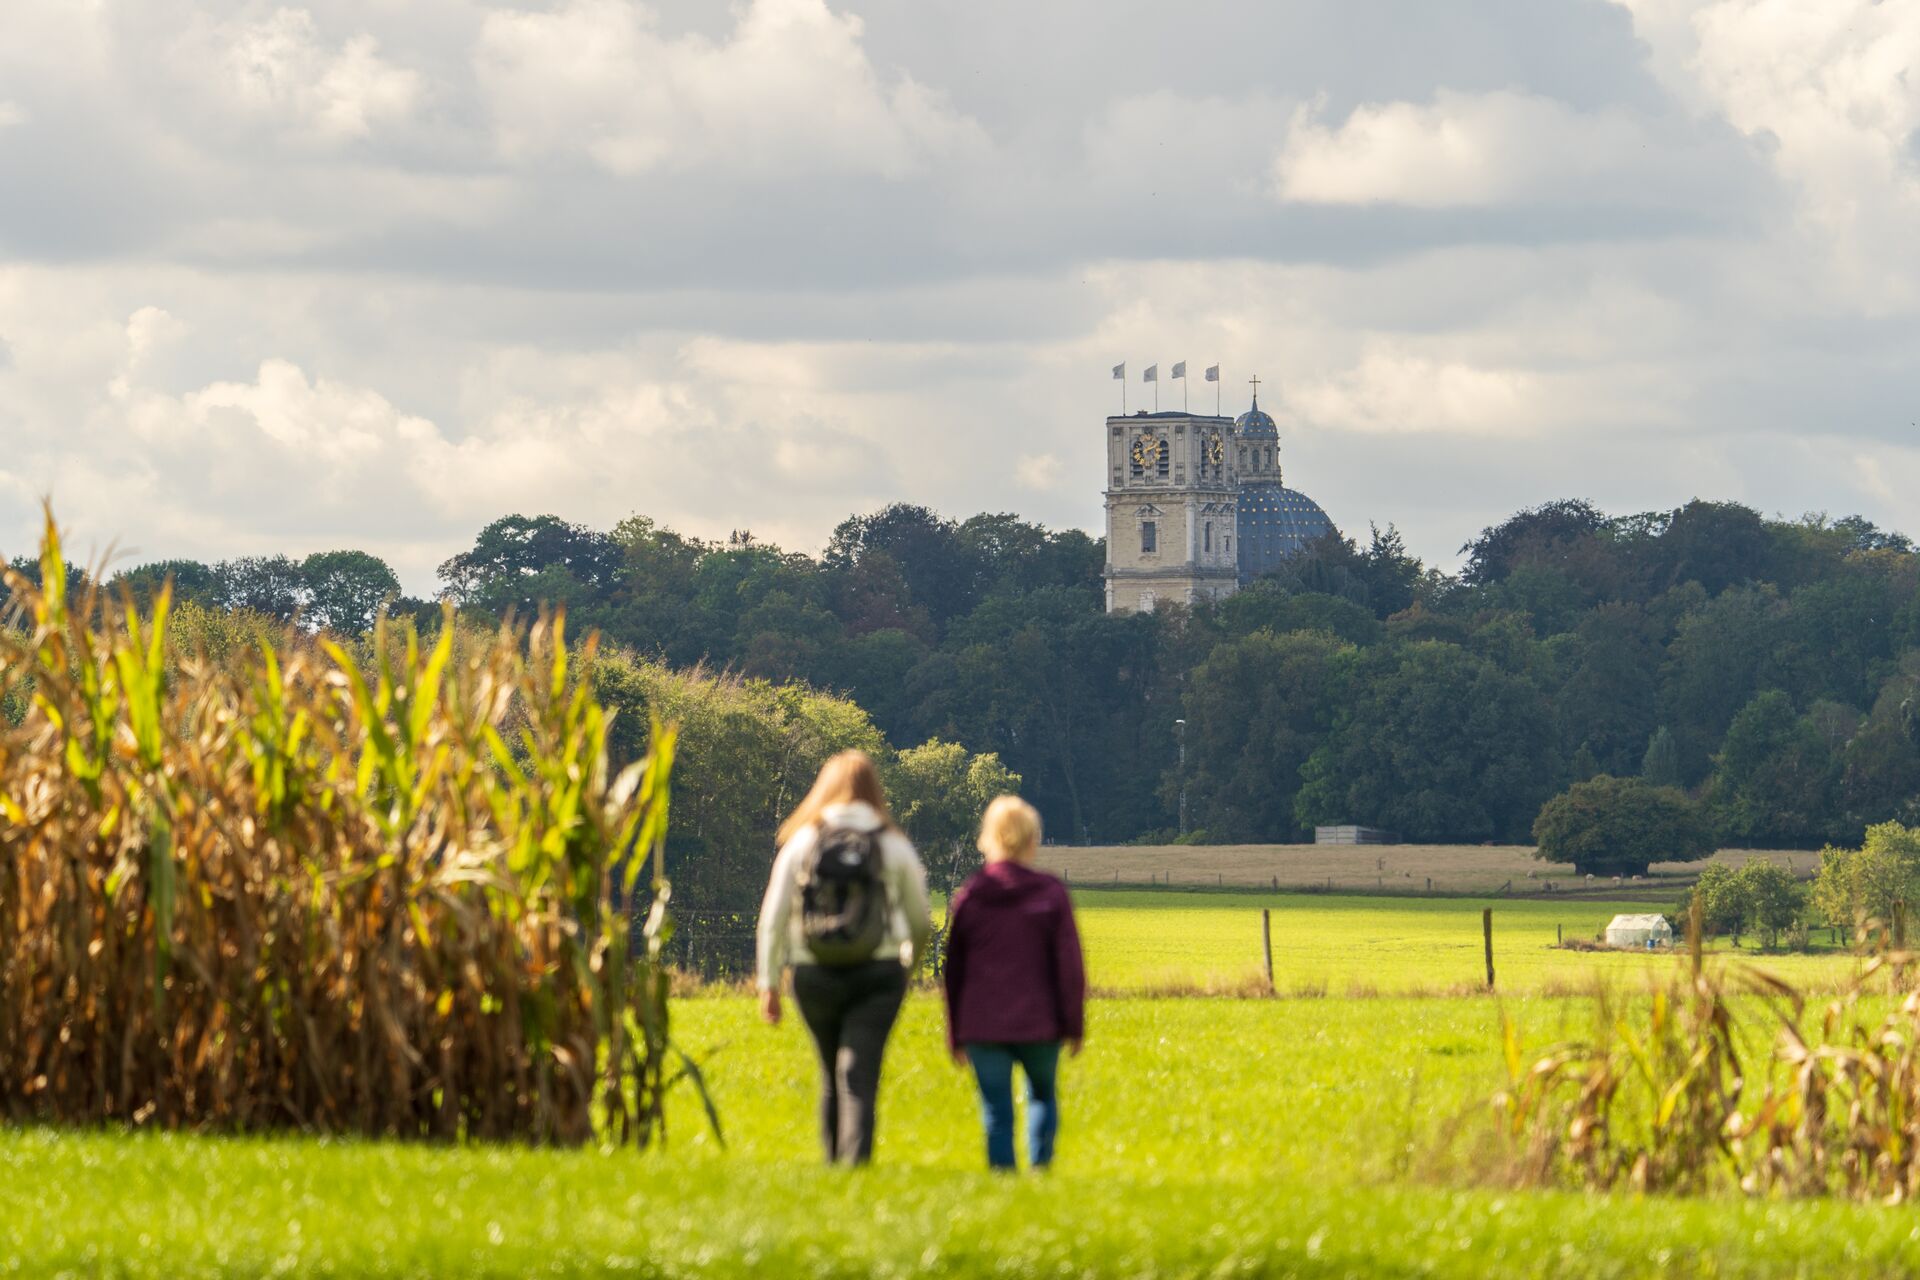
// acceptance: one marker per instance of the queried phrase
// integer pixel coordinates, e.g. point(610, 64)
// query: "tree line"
point(1769, 669)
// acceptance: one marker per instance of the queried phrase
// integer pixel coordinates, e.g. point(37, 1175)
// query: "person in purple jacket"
point(1016, 985)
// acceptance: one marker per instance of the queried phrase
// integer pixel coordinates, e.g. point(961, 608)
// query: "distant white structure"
point(1639, 932)
point(1353, 835)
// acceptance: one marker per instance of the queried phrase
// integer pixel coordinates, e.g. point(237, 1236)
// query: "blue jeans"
point(993, 1069)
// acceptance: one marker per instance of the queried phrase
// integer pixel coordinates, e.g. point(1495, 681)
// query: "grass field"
point(1324, 944)
point(1397, 868)
point(1333, 1136)
point(1202, 1138)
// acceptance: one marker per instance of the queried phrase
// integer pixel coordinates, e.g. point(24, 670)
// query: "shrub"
point(1620, 826)
point(1762, 896)
point(297, 889)
point(1868, 883)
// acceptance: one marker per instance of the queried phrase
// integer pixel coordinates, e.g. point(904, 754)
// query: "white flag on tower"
point(1180, 369)
point(1213, 373)
point(1152, 374)
point(1120, 371)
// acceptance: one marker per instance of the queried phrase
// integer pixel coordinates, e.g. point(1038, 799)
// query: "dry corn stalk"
point(299, 889)
point(1660, 1101)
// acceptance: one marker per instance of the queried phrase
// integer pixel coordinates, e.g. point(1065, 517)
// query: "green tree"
point(1774, 900)
point(272, 586)
point(1620, 826)
point(1267, 605)
point(1541, 535)
point(1660, 766)
point(1866, 883)
point(520, 562)
point(1775, 778)
point(1723, 901)
point(191, 580)
point(1256, 709)
point(1722, 655)
point(347, 589)
point(943, 572)
point(1609, 695)
point(1436, 743)
point(750, 749)
point(938, 791)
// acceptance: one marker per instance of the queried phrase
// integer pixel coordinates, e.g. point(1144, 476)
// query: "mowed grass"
point(1323, 944)
point(1202, 1138)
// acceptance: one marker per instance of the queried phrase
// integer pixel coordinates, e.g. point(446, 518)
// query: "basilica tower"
point(1172, 505)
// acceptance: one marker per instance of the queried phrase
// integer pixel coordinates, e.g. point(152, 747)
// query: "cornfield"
point(1663, 1099)
point(303, 889)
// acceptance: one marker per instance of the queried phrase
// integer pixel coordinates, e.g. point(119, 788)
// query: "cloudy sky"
point(371, 272)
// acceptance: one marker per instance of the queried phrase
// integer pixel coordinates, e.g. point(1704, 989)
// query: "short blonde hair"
point(1010, 829)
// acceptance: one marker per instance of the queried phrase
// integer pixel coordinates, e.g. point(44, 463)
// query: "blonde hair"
point(845, 778)
point(1009, 830)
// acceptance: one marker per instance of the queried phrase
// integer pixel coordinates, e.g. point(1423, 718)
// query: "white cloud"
point(1393, 391)
point(288, 460)
point(280, 72)
point(11, 114)
point(1037, 471)
point(1477, 149)
point(1831, 92)
point(373, 273)
point(791, 89)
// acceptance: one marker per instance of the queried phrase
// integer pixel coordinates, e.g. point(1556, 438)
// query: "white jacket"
point(780, 942)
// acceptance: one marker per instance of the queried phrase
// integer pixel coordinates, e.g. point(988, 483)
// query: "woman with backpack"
point(1016, 983)
point(846, 907)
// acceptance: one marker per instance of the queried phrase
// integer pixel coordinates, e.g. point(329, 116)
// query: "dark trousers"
point(993, 1069)
point(849, 1011)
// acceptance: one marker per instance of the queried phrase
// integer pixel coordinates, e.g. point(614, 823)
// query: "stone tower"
point(1172, 496)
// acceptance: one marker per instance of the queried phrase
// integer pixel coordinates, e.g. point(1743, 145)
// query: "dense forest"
point(1768, 667)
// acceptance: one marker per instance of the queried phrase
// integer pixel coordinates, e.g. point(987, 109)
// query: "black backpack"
point(843, 897)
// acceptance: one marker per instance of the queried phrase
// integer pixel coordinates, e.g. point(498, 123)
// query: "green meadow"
point(1301, 1136)
point(1146, 941)
point(1203, 1137)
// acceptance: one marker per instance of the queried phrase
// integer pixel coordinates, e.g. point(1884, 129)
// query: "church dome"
point(1256, 423)
point(1274, 524)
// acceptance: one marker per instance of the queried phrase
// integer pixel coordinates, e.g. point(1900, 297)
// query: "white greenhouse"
point(1639, 932)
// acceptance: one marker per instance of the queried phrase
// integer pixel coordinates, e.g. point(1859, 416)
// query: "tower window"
point(1209, 535)
point(1149, 537)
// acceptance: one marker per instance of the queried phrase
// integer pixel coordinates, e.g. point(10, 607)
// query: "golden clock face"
point(1216, 448)
point(1146, 451)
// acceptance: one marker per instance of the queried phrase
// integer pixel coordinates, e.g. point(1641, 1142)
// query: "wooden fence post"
point(1266, 946)
point(1486, 928)
point(1559, 940)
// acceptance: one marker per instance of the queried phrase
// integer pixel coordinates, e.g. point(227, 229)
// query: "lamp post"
point(1180, 736)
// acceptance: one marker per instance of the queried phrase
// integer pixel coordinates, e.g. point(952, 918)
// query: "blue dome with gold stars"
point(1274, 523)
point(1256, 423)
